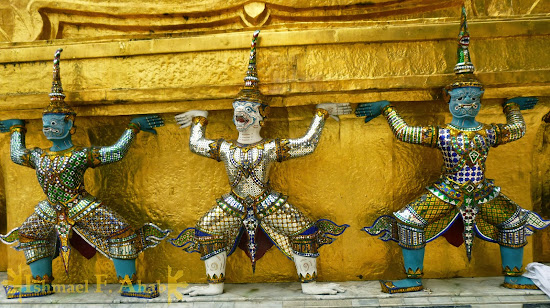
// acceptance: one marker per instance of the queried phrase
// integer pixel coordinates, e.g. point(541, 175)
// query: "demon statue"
point(69, 207)
point(462, 197)
point(252, 212)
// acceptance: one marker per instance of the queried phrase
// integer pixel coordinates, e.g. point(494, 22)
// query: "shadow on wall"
point(3, 223)
point(544, 171)
point(541, 190)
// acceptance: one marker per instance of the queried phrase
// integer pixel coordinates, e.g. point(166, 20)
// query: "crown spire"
point(464, 68)
point(464, 63)
point(251, 78)
point(250, 92)
point(57, 98)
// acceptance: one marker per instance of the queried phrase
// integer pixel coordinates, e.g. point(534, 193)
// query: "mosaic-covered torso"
point(69, 207)
point(462, 185)
point(465, 152)
point(248, 166)
point(61, 174)
point(252, 203)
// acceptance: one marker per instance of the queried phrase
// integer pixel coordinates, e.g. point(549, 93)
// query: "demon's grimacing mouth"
point(242, 119)
point(466, 106)
point(48, 129)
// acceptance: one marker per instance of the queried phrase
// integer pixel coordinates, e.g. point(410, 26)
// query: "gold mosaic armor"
point(252, 203)
point(69, 206)
point(462, 189)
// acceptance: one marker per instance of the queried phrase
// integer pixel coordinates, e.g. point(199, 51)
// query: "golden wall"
point(123, 58)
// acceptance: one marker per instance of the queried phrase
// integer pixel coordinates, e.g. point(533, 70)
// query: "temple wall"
point(3, 224)
point(124, 58)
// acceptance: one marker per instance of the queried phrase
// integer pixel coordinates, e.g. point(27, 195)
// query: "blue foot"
point(519, 282)
point(401, 286)
point(139, 290)
point(35, 290)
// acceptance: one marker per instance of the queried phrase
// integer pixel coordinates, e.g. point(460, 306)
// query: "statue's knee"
point(124, 249)
point(513, 238)
point(305, 243)
point(37, 250)
point(36, 243)
point(410, 237)
point(124, 242)
point(209, 244)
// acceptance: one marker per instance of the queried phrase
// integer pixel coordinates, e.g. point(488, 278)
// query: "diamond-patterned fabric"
point(279, 225)
point(438, 215)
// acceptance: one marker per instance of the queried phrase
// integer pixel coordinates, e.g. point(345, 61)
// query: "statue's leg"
point(41, 280)
point(512, 262)
point(215, 234)
point(506, 216)
point(37, 239)
point(411, 223)
point(307, 271)
point(215, 273)
point(110, 233)
point(126, 273)
point(41, 267)
point(301, 237)
point(305, 253)
point(413, 260)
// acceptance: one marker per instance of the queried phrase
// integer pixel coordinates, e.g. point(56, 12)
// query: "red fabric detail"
point(454, 233)
point(85, 249)
point(263, 243)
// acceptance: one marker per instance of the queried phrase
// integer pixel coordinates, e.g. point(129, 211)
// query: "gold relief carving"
point(20, 23)
point(313, 81)
point(30, 20)
point(49, 19)
point(87, 19)
point(255, 14)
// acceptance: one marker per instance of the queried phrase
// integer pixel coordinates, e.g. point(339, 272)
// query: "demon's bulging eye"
point(460, 98)
point(53, 123)
point(249, 109)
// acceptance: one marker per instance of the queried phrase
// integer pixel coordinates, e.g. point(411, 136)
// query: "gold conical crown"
point(464, 68)
point(250, 92)
point(57, 98)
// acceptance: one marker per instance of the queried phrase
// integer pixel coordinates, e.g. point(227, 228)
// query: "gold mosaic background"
point(124, 58)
